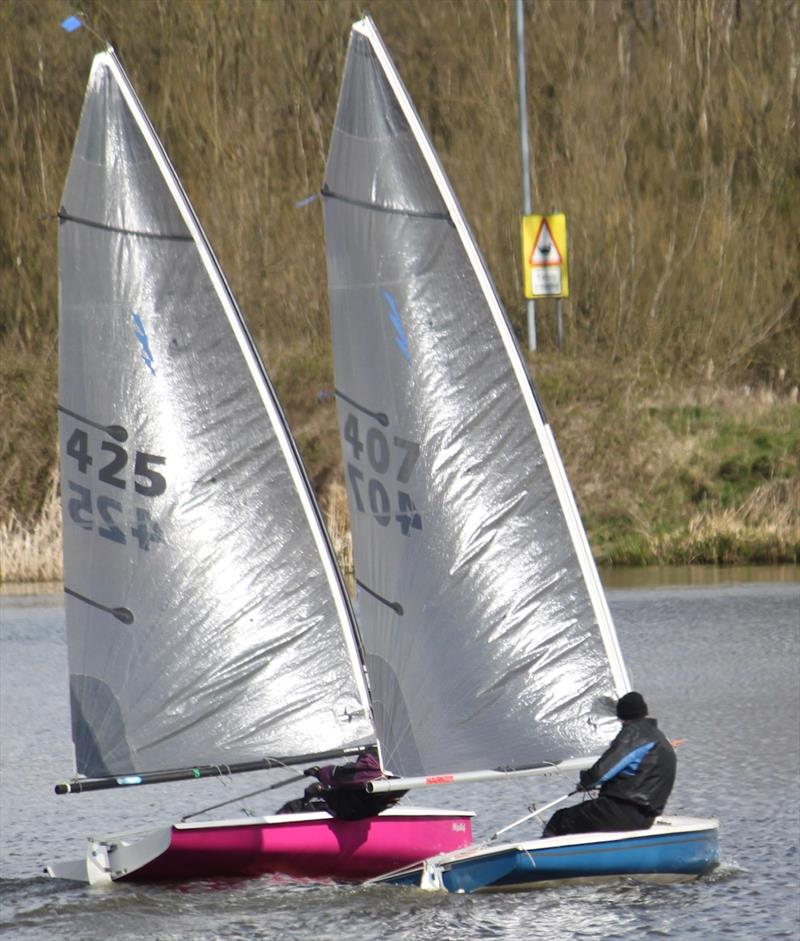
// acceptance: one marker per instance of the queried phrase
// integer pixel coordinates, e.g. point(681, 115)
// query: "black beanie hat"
point(631, 706)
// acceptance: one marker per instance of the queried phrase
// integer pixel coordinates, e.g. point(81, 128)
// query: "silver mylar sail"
point(207, 620)
point(489, 641)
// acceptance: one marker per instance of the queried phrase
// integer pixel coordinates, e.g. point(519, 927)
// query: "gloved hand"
point(311, 772)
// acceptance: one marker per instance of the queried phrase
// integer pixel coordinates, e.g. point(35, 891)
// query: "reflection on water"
point(616, 577)
point(716, 653)
point(30, 589)
point(655, 576)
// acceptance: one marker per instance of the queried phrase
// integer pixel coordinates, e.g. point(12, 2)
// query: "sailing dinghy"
point(209, 629)
point(489, 643)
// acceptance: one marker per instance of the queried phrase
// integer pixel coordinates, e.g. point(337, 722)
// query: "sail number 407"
point(369, 489)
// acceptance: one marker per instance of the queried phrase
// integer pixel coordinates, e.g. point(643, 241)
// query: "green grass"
point(731, 457)
point(719, 483)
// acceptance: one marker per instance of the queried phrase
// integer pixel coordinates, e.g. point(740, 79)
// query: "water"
point(718, 664)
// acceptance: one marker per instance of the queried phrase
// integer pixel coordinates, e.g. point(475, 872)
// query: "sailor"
point(634, 775)
point(340, 789)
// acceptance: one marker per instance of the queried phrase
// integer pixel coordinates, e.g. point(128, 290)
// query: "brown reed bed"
point(665, 129)
point(30, 550)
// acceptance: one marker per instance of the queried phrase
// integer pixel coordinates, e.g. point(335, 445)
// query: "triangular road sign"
point(545, 251)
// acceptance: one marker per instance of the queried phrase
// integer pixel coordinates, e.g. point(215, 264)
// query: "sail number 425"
point(102, 513)
point(152, 484)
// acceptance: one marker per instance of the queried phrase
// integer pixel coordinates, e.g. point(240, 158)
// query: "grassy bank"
point(665, 129)
point(700, 475)
point(662, 477)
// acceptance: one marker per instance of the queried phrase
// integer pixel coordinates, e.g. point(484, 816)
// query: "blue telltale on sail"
point(141, 336)
point(397, 323)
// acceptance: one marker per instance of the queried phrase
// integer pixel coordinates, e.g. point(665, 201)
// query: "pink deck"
point(312, 846)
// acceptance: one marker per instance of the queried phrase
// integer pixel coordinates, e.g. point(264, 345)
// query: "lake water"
point(719, 664)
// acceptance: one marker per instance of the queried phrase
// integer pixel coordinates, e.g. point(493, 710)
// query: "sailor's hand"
point(311, 772)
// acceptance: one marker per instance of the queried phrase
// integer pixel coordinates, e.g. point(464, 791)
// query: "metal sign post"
point(524, 150)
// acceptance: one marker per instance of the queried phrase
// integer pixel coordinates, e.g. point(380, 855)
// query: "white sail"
point(207, 620)
point(489, 641)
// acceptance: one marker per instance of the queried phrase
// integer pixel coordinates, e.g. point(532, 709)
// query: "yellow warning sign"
point(544, 255)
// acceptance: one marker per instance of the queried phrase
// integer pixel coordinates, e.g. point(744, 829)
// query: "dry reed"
point(31, 552)
point(766, 528)
point(337, 520)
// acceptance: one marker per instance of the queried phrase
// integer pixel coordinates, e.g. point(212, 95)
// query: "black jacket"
point(638, 766)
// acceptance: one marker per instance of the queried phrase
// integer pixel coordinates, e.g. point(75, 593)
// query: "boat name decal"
point(440, 779)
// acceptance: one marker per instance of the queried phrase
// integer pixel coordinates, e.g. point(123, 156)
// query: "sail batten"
point(392, 210)
point(188, 516)
point(460, 508)
point(94, 224)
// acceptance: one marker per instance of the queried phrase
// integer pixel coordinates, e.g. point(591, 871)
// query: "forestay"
point(489, 642)
point(207, 621)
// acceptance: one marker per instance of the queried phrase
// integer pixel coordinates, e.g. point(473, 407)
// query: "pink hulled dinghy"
point(305, 845)
point(209, 629)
